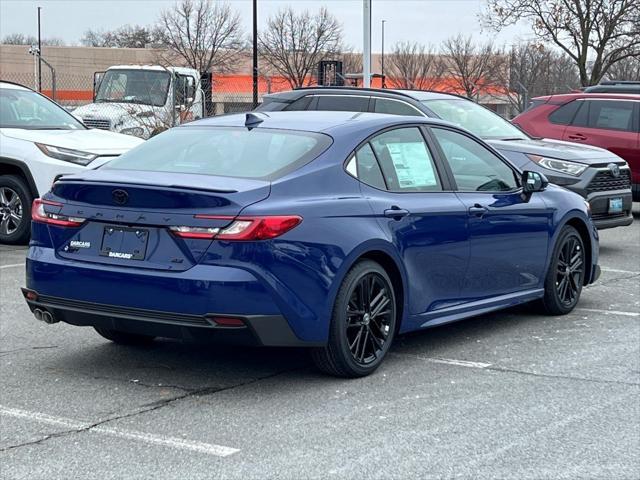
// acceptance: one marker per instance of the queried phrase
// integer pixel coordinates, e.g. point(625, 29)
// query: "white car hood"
point(99, 142)
point(111, 111)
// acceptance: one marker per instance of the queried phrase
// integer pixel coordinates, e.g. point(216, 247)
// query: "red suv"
point(606, 120)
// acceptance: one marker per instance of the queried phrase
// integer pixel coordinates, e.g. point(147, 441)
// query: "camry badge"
point(120, 197)
point(614, 169)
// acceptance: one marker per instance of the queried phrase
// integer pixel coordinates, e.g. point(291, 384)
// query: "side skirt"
point(471, 309)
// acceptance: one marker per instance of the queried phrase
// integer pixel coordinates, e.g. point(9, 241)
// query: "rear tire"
point(124, 338)
point(15, 210)
point(565, 277)
point(363, 323)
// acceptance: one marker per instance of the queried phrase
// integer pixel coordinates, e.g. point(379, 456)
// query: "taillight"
point(39, 215)
point(258, 228)
point(242, 228)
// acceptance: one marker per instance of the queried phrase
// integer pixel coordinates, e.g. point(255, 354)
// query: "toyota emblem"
point(120, 197)
point(614, 169)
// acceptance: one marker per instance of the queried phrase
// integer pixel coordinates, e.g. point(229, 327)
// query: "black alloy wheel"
point(363, 323)
point(565, 278)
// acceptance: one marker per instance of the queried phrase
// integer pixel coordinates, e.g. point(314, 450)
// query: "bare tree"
point(535, 70)
point(596, 34)
point(472, 67)
point(205, 35)
point(412, 65)
point(22, 39)
point(293, 43)
point(127, 36)
point(627, 69)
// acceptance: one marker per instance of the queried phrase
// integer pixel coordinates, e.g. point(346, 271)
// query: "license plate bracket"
point(124, 243)
point(615, 205)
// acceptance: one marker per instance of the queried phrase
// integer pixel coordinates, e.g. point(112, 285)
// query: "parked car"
point(615, 86)
point(39, 140)
point(329, 230)
point(143, 100)
point(605, 120)
point(600, 176)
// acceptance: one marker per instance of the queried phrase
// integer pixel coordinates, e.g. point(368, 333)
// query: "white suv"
point(38, 141)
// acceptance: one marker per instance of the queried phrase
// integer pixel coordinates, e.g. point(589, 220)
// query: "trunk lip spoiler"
point(137, 184)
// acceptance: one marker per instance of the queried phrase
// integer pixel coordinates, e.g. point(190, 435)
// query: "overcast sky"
point(425, 21)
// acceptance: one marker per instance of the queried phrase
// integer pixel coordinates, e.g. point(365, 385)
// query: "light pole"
point(39, 54)
point(255, 53)
point(382, 57)
point(366, 44)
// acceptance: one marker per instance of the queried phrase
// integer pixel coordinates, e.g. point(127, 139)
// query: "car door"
point(508, 232)
point(609, 124)
point(416, 208)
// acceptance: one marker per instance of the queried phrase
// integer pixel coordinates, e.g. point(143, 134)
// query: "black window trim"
point(516, 172)
point(441, 172)
point(313, 103)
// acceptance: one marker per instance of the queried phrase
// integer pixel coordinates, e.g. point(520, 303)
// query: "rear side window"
point(259, 153)
point(368, 170)
point(611, 115)
point(406, 162)
point(564, 114)
point(395, 107)
point(342, 103)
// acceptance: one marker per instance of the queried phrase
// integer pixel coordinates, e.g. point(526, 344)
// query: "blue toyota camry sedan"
point(329, 230)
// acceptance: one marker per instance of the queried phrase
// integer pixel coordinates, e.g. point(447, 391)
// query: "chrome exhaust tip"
point(48, 318)
point(38, 314)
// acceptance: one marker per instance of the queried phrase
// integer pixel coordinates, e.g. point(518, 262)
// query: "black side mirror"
point(533, 182)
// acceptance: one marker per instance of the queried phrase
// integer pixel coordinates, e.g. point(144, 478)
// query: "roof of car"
point(12, 85)
point(566, 97)
point(314, 121)
point(419, 95)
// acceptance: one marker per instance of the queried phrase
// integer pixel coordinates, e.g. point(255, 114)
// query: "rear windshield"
point(258, 153)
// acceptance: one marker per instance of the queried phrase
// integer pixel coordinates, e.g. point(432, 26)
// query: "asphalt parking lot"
point(508, 395)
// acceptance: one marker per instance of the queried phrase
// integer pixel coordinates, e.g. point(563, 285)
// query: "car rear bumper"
point(155, 302)
point(259, 330)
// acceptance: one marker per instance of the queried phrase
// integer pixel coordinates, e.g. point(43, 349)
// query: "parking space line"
point(445, 361)
point(615, 270)
point(610, 312)
point(13, 265)
point(162, 440)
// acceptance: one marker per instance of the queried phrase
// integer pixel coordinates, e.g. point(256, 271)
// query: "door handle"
point(478, 210)
point(576, 136)
point(396, 212)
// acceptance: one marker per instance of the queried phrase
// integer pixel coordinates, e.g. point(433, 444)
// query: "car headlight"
point(66, 154)
point(135, 131)
point(563, 166)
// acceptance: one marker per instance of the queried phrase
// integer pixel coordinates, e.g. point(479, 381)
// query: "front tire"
point(565, 277)
point(124, 338)
point(15, 210)
point(363, 323)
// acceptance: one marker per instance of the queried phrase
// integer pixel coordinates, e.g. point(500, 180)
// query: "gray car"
point(601, 177)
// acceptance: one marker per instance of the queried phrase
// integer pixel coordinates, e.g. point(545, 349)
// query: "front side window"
point(225, 151)
point(395, 107)
point(27, 109)
point(564, 114)
point(611, 115)
point(147, 87)
point(474, 167)
point(405, 160)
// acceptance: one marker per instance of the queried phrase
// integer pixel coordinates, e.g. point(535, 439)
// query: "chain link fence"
point(143, 102)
